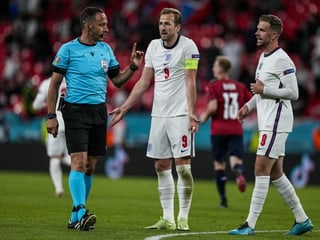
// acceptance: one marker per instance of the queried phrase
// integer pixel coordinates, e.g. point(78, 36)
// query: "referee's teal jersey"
point(85, 68)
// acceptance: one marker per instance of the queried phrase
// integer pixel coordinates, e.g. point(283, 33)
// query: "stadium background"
point(31, 32)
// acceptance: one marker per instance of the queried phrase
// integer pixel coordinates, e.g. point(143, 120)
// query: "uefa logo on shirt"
point(57, 60)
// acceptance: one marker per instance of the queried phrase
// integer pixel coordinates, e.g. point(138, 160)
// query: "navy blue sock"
point(221, 183)
point(238, 169)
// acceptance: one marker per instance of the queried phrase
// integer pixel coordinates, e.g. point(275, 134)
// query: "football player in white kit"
point(56, 147)
point(275, 87)
point(172, 61)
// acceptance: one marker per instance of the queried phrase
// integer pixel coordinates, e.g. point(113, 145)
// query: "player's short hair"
point(89, 14)
point(274, 21)
point(176, 14)
point(224, 62)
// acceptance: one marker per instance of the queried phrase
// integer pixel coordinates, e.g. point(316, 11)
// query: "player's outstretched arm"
point(138, 90)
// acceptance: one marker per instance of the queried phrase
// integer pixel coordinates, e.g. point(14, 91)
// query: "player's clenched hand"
point(52, 126)
point(117, 115)
point(243, 113)
point(257, 87)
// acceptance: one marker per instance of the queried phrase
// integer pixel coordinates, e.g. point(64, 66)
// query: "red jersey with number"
point(231, 95)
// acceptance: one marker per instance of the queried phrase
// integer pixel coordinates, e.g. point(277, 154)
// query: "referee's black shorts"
point(85, 128)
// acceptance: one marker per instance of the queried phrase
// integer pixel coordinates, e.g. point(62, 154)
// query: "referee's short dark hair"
point(89, 14)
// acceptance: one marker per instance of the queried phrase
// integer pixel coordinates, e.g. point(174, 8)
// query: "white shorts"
point(56, 146)
point(272, 144)
point(170, 138)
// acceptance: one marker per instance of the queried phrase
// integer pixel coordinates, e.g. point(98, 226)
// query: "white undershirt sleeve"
point(251, 104)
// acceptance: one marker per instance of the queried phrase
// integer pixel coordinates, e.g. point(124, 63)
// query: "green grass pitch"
point(125, 206)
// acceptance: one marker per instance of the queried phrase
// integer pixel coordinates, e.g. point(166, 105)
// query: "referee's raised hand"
point(136, 57)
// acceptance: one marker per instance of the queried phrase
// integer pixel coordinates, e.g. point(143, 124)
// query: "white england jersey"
point(40, 101)
point(170, 93)
point(278, 74)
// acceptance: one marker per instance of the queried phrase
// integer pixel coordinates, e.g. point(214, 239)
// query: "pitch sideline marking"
point(159, 237)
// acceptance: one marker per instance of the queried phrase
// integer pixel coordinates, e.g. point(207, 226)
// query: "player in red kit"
point(225, 97)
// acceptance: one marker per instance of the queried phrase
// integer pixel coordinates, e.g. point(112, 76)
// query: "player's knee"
point(184, 171)
point(162, 165)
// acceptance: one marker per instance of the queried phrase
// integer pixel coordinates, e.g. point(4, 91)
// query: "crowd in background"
point(32, 31)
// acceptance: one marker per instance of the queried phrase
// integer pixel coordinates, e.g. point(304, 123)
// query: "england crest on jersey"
point(167, 59)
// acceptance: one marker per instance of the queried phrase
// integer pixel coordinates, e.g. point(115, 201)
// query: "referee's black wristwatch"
point(51, 115)
point(133, 67)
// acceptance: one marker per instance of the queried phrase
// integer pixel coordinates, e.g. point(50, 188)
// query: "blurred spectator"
point(41, 44)
point(233, 49)
point(11, 65)
point(4, 127)
point(208, 55)
point(316, 71)
point(248, 69)
point(306, 86)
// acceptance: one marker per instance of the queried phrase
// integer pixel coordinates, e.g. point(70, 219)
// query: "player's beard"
point(168, 39)
point(263, 43)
